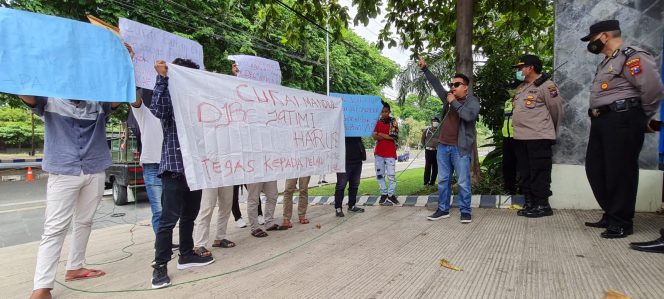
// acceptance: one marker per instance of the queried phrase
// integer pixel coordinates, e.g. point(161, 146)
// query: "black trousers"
point(612, 163)
point(534, 163)
point(509, 166)
point(177, 203)
point(430, 167)
point(237, 214)
point(351, 177)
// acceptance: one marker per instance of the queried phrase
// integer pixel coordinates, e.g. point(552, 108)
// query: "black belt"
point(617, 106)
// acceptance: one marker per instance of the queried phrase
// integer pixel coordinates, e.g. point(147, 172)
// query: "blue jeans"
point(386, 167)
point(153, 188)
point(449, 161)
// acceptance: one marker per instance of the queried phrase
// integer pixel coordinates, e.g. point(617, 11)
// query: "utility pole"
point(327, 55)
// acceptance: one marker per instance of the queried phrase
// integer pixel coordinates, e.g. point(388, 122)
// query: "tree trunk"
point(32, 140)
point(464, 60)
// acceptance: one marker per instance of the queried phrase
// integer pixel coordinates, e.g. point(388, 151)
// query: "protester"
point(355, 154)
point(537, 113)
point(271, 192)
point(457, 138)
point(386, 133)
point(237, 214)
point(302, 204)
point(178, 201)
point(625, 94)
point(211, 197)
point(430, 143)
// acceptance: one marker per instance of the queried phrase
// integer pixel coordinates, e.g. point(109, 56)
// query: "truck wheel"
point(119, 194)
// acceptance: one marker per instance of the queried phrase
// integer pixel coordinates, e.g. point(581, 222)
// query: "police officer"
point(430, 143)
point(536, 114)
point(509, 155)
point(624, 95)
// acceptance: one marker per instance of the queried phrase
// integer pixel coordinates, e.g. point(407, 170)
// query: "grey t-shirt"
point(74, 136)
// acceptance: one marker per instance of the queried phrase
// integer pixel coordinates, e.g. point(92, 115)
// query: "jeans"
point(352, 177)
point(449, 161)
point(386, 167)
point(178, 203)
point(153, 188)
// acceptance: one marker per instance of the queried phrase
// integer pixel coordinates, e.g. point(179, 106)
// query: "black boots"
point(539, 211)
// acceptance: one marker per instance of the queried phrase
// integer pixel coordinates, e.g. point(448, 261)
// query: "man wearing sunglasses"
point(456, 141)
point(624, 96)
point(537, 110)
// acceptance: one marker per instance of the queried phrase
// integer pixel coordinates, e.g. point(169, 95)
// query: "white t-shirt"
point(152, 135)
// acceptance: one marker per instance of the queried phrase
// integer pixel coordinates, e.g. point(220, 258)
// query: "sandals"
point(276, 227)
point(86, 274)
point(287, 223)
point(202, 251)
point(223, 243)
point(304, 220)
point(259, 233)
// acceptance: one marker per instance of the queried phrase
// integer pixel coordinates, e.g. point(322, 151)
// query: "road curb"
point(19, 178)
point(476, 201)
point(23, 160)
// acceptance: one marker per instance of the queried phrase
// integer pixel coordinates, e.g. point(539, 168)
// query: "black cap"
point(435, 118)
point(603, 26)
point(529, 60)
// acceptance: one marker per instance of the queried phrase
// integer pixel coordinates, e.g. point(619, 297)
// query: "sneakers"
point(241, 223)
point(355, 209)
point(394, 199)
point(261, 220)
point(383, 201)
point(160, 277)
point(438, 215)
point(194, 260)
point(340, 213)
point(466, 218)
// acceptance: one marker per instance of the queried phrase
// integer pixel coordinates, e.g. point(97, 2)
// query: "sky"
point(370, 33)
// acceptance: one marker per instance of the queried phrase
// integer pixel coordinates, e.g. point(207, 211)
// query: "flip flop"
point(259, 233)
point(304, 220)
point(223, 243)
point(87, 274)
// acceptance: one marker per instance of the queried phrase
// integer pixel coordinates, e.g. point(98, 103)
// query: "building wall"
point(642, 26)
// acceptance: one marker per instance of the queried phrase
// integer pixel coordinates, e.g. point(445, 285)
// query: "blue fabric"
point(49, 56)
point(450, 161)
point(162, 108)
point(153, 188)
point(74, 136)
point(360, 113)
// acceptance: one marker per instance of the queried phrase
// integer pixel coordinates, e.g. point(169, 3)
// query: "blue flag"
point(43, 55)
point(360, 113)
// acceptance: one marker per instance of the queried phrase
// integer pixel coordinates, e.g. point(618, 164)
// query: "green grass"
point(409, 182)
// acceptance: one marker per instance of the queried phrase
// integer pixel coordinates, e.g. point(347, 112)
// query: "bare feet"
point(41, 294)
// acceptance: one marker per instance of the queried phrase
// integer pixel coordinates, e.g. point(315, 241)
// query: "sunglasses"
point(455, 84)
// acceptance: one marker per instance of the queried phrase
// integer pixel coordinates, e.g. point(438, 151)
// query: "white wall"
point(571, 189)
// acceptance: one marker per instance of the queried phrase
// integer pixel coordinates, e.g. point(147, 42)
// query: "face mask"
point(435, 124)
point(520, 76)
point(596, 46)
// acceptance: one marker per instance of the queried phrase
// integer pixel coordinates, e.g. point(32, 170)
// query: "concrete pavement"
point(383, 253)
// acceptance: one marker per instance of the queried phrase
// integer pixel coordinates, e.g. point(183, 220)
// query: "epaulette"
point(541, 79)
point(629, 51)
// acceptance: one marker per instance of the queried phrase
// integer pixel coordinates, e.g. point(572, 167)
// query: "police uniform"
point(509, 155)
point(537, 113)
point(624, 95)
point(430, 143)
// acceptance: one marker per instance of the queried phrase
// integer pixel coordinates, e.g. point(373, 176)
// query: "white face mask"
point(435, 124)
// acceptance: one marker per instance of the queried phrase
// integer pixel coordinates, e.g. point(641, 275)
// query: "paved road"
point(22, 207)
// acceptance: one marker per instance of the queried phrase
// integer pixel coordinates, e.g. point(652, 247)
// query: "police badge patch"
point(634, 66)
point(553, 91)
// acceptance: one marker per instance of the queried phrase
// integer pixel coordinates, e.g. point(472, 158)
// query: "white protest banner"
point(237, 131)
point(257, 68)
point(151, 44)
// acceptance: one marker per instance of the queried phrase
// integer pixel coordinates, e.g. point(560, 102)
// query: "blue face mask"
point(520, 76)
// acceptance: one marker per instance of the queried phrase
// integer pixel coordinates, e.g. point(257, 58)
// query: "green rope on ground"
point(212, 276)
